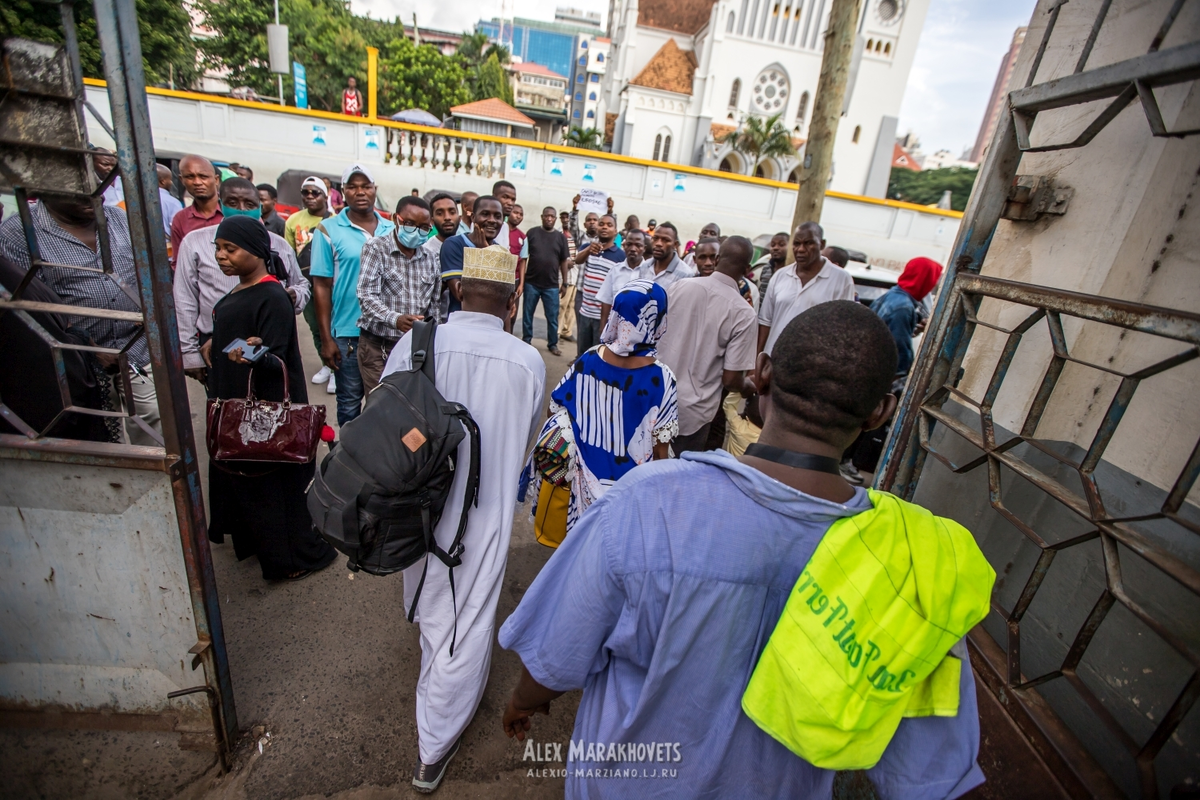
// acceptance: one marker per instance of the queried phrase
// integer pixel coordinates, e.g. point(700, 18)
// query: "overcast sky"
point(951, 79)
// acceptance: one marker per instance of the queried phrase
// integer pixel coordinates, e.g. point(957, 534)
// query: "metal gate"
point(106, 580)
point(1052, 409)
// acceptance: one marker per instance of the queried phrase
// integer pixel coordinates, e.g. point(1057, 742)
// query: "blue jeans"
point(349, 381)
point(549, 299)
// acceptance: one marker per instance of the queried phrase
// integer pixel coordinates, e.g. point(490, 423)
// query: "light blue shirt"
point(336, 254)
point(659, 607)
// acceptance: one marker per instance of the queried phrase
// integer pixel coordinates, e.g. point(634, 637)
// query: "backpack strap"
point(453, 557)
point(422, 348)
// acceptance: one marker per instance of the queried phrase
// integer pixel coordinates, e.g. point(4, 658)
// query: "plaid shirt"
point(389, 284)
point(117, 292)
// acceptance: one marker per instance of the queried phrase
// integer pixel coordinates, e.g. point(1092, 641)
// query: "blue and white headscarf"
point(638, 319)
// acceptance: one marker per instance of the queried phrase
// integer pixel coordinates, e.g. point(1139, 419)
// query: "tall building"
point(551, 44)
point(683, 73)
point(996, 103)
point(541, 95)
point(587, 80)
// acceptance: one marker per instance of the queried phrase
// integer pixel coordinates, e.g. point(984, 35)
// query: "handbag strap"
point(287, 390)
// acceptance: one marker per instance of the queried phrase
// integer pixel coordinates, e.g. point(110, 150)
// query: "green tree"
point(589, 139)
point(492, 81)
point(163, 25)
point(758, 139)
point(325, 37)
point(420, 77)
point(927, 187)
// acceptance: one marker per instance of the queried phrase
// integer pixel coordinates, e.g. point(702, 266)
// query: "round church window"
point(770, 90)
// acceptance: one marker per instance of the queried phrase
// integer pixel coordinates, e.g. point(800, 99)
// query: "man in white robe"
point(501, 380)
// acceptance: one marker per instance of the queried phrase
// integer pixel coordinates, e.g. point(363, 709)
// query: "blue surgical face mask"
point(410, 237)
point(253, 213)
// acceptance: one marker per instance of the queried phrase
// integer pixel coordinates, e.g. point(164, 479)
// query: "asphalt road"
point(328, 667)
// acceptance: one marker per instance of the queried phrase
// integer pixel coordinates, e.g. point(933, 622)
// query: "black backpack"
point(378, 496)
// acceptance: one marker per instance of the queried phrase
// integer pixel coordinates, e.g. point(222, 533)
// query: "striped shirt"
point(594, 272)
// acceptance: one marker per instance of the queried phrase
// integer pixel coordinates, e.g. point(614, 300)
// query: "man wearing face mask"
point(399, 284)
point(199, 282)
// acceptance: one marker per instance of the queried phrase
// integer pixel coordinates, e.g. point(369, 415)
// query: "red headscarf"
point(919, 277)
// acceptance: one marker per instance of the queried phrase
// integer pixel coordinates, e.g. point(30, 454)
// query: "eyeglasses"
point(414, 228)
point(311, 193)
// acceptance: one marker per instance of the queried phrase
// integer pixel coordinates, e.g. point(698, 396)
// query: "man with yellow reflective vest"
point(743, 627)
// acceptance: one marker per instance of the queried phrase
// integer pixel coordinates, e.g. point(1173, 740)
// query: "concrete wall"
point(271, 142)
point(97, 617)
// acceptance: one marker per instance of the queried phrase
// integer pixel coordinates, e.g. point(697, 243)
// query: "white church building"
point(683, 74)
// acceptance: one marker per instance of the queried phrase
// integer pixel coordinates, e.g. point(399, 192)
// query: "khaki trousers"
point(566, 312)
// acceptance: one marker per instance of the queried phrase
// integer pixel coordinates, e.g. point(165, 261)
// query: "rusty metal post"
point(117, 27)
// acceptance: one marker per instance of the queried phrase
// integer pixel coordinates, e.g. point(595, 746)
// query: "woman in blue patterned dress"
point(619, 398)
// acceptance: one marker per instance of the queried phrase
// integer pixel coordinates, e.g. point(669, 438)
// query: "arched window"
point(575, 113)
point(657, 145)
point(857, 133)
point(726, 165)
point(887, 49)
point(579, 97)
point(579, 78)
point(592, 96)
point(734, 92)
point(870, 45)
point(583, 45)
point(729, 25)
point(666, 155)
point(878, 46)
point(595, 78)
point(600, 57)
point(583, 61)
point(802, 109)
point(591, 115)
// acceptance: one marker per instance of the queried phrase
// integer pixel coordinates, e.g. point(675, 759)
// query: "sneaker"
point(851, 473)
point(331, 387)
point(427, 777)
point(323, 376)
point(555, 351)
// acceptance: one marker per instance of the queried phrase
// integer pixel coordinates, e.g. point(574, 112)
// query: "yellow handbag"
point(550, 521)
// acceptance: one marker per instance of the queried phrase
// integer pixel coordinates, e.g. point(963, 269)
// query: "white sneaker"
point(323, 376)
point(331, 387)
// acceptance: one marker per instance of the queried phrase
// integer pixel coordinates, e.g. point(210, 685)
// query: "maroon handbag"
point(262, 430)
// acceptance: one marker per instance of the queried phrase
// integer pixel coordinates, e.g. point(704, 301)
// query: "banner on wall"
point(319, 135)
point(300, 83)
point(371, 141)
point(589, 173)
point(518, 159)
point(556, 165)
point(680, 182)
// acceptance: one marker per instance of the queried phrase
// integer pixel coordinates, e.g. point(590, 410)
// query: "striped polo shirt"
point(594, 272)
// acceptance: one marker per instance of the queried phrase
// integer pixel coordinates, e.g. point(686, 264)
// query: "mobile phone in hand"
point(249, 352)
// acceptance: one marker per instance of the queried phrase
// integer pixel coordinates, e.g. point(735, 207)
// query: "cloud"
point(955, 67)
point(461, 15)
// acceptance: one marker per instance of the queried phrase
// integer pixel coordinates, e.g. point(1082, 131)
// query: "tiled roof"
point(671, 70)
point(535, 69)
point(719, 132)
point(681, 16)
point(494, 110)
point(901, 158)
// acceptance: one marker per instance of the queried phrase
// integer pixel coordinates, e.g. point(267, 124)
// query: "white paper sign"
point(593, 200)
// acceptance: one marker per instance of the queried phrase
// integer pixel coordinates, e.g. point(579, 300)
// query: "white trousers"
point(450, 687)
point(145, 405)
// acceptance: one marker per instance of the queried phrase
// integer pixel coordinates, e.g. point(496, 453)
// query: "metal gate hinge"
point(1031, 196)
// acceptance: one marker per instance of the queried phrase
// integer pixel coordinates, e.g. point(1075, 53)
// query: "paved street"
point(328, 666)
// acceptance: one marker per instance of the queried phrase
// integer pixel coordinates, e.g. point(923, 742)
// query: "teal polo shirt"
point(336, 250)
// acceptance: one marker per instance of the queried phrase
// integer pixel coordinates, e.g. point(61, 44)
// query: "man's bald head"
point(735, 255)
point(199, 177)
point(165, 178)
point(807, 243)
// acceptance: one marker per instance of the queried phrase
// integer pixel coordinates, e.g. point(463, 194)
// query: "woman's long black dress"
point(264, 513)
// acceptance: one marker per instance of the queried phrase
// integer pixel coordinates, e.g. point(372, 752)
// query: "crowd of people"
point(657, 606)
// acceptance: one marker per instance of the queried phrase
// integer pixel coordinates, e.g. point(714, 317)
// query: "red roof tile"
point(535, 69)
point(493, 109)
point(671, 69)
point(901, 158)
point(681, 16)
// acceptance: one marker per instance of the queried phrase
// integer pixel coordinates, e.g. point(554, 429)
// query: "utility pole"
point(831, 93)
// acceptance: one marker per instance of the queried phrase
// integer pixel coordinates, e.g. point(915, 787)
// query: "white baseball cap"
point(315, 183)
point(356, 169)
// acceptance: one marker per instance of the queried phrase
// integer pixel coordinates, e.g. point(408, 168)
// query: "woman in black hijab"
point(261, 506)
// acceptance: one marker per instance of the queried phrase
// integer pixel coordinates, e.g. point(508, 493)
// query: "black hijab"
point(251, 235)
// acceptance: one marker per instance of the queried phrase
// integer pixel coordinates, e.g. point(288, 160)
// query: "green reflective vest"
point(864, 637)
